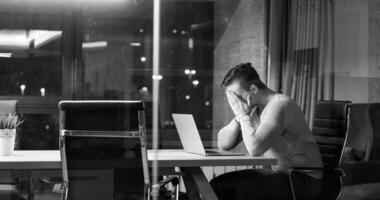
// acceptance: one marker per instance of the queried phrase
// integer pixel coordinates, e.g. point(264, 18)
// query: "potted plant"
point(8, 124)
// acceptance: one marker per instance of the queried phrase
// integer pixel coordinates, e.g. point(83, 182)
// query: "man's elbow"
point(254, 152)
point(222, 146)
point(257, 149)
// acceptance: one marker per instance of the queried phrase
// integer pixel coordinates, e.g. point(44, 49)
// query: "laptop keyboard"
point(216, 152)
point(212, 150)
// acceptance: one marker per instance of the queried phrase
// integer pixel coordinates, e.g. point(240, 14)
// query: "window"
point(31, 55)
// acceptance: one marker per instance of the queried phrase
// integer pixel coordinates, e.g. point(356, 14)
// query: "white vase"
point(7, 141)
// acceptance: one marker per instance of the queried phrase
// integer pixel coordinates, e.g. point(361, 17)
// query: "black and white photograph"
point(189, 99)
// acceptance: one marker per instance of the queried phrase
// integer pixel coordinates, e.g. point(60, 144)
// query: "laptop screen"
point(188, 133)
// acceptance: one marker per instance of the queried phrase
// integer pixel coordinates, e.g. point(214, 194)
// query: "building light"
point(193, 71)
point(207, 103)
point(141, 30)
point(174, 31)
point(143, 59)
point(187, 97)
point(187, 71)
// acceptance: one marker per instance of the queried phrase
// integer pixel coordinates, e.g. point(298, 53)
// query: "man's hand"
point(239, 106)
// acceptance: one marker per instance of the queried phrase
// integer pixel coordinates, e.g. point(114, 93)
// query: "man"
point(269, 124)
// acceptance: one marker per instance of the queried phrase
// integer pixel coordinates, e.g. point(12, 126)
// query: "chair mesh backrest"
point(106, 165)
point(374, 113)
point(98, 116)
point(330, 128)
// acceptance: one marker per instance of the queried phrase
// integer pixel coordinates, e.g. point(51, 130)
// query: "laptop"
point(191, 140)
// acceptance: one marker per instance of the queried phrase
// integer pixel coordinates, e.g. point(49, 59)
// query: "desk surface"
point(166, 158)
point(31, 160)
point(180, 158)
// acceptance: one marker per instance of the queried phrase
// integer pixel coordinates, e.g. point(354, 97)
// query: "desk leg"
point(35, 175)
point(30, 188)
point(196, 183)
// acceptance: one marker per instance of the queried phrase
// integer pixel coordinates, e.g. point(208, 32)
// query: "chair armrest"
point(311, 169)
point(307, 168)
point(359, 172)
point(51, 180)
point(156, 188)
point(171, 179)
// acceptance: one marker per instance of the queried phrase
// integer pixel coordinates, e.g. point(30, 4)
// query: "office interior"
point(310, 50)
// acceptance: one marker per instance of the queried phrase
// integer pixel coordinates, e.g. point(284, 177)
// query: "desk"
point(193, 175)
point(189, 163)
point(31, 160)
point(180, 158)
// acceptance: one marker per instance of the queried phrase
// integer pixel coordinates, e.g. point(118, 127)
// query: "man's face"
point(236, 88)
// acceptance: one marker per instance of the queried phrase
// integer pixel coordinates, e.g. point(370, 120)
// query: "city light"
point(6, 55)
point(207, 103)
point(20, 39)
point(187, 97)
point(94, 45)
point(22, 88)
point(195, 83)
point(191, 43)
point(143, 59)
point(174, 31)
point(187, 71)
point(135, 44)
point(144, 89)
point(157, 77)
point(193, 71)
point(42, 90)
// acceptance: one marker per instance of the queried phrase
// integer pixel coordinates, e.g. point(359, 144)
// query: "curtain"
point(307, 42)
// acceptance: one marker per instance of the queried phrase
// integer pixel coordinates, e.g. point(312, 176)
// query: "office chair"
point(330, 127)
point(103, 151)
point(361, 162)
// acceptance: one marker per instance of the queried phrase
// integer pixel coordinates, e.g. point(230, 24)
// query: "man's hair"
point(243, 72)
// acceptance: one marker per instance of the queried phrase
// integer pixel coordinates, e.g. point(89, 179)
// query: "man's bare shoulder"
point(281, 100)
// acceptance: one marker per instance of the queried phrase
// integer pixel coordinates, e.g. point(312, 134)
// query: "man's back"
point(296, 145)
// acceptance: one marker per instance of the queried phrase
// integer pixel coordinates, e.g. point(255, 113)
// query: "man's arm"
point(258, 141)
point(229, 136)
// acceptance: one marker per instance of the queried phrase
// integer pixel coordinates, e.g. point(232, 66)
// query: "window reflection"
point(30, 57)
point(111, 57)
point(117, 57)
point(38, 131)
point(117, 51)
point(187, 45)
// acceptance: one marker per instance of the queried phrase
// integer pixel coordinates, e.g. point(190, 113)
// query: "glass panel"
point(38, 132)
point(187, 45)
point(200, 42)
point(117, 50)
point(113, 164)
point(30, 54)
